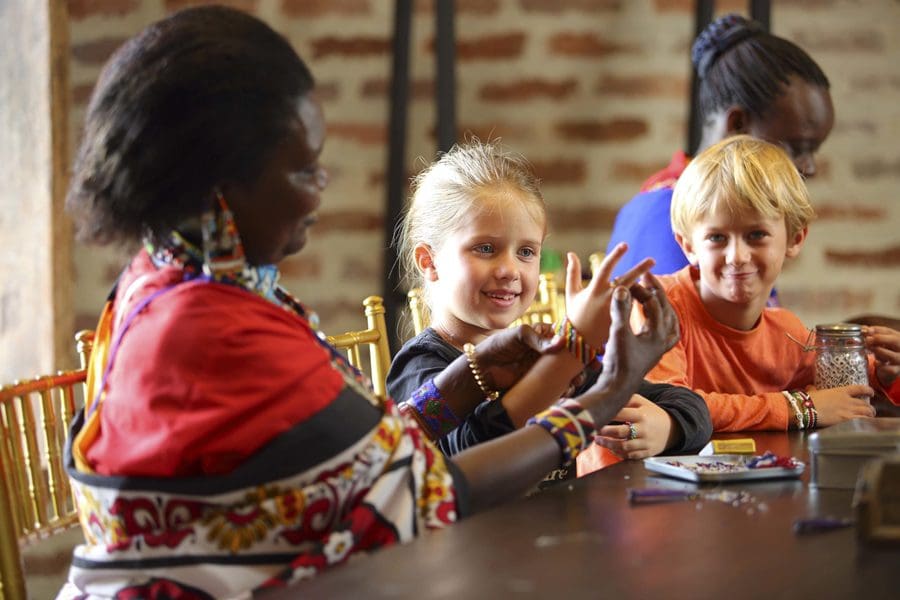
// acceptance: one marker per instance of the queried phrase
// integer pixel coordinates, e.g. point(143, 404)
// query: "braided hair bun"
point(718, 37)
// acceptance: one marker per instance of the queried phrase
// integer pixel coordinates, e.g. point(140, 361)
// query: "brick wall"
point(592, 91)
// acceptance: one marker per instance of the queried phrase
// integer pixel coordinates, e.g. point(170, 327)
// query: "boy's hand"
point(835, 405)
point(588, 308)
point(884, 343)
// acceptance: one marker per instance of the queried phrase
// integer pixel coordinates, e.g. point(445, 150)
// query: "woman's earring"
point(223, 251)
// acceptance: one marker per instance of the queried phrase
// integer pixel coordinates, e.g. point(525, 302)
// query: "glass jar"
point(840, 356)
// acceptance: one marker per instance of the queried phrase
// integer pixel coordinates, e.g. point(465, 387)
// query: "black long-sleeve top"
point(427, 354)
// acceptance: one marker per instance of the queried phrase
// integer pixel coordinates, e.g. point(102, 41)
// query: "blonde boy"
point(738, 211)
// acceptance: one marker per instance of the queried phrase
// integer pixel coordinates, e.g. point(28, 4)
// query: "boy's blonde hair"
point(741, 174)
point(449, 188)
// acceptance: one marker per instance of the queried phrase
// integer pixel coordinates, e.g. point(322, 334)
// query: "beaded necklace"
point(222, 260)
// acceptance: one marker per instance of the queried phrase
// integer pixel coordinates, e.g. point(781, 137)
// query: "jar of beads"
point(840, 356)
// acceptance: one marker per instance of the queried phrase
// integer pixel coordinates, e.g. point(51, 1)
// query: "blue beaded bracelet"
point(434, 412)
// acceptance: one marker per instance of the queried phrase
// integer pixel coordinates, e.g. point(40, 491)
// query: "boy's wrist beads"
point(809, 408)
point(428, 408)
point(489, 394)
point(570, 425)
point(805, 413)
point(575, 342)
point(799, 422)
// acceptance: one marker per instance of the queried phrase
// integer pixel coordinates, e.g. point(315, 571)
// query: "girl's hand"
point(654, 428)
point(835, 405)
point(884, 343)
point(588, 307)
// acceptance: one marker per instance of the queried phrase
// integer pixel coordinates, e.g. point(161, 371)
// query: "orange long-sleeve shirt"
point(740, 374)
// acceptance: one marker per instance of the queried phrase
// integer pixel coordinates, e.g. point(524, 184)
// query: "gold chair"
point(595, 259)
point(548, 307)
point(35, 498)
point(417, 309)
point(376, 337)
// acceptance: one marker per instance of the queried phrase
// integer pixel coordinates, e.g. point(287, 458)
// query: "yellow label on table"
point(739, 446)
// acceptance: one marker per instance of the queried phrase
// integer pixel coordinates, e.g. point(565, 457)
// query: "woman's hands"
point(835, 405)
point(629, 356)
point(507, 355)
point(658, 313)
point(511, 464)
point(503, 359)
point(884, 343)
point(588, 308)
point(653, 427)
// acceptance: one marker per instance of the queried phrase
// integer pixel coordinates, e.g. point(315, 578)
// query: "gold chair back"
point(417, 309)
point(548, 306)
point(376, 337)
point(35, 498)
point(595, 259)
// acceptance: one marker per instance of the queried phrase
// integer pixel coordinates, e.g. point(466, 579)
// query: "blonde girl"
point(471, 238)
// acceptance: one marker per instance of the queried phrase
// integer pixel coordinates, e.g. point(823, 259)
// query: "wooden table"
point(583, 539)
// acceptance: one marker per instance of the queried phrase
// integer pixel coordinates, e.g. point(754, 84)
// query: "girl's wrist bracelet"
point(489, 394)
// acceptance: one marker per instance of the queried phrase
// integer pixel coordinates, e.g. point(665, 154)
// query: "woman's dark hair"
point(739, 63)
point(197, 99)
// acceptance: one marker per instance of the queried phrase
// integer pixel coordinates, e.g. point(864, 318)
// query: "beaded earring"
point(223, 251)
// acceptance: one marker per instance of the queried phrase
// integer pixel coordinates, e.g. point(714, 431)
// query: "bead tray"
point(733, 468)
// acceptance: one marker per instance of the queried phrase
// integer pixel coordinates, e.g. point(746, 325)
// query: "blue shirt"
point(645, 225)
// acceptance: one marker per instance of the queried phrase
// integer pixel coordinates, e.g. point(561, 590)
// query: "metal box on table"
point(837, 453)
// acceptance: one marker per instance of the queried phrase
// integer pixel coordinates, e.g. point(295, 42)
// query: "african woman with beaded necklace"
point(225, 447)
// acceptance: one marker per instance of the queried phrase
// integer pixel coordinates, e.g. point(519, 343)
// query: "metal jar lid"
point(839, 330)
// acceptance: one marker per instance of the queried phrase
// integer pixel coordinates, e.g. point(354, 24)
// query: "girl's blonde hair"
point(449, 188)
point(741, 174)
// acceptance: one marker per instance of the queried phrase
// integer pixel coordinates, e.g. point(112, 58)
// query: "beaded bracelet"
point(575, 342)
point(407, 410)
point(804, 409)
point(795, 409)
point(434, 414)
point(570, 425)
point(805, 401)
point(490, 394)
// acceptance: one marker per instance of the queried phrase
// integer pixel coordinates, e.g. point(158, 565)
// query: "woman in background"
point(751, 82)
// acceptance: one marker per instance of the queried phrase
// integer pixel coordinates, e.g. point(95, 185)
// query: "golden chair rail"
point(376, 337)
point(548, 307)
point(35, 498)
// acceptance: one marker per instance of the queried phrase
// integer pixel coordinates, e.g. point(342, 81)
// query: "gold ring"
point(632, 431)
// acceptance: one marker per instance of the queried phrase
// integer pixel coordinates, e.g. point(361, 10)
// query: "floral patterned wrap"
point(226, 446)
point(262, 525)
